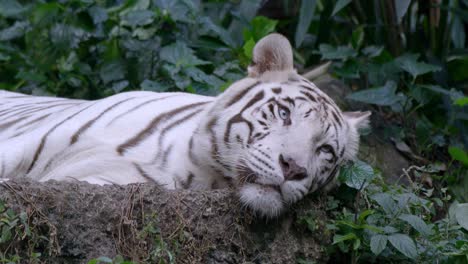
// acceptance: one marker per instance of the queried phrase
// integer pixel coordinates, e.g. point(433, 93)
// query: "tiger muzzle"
point(291, 171)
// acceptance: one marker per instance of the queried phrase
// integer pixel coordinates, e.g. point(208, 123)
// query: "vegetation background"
point(406, 59)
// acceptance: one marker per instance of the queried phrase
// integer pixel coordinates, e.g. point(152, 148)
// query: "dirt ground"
point(144, 223)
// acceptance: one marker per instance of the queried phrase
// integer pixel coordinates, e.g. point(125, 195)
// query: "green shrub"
point(388, 223)
point(21, 239)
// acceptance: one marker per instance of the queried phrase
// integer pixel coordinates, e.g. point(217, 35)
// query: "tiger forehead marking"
point(273, 137)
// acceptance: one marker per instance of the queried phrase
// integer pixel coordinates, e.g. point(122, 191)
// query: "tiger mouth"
point(249, 176)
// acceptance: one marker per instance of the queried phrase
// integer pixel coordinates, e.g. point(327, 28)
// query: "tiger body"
point(272, 136)
point(30, 140)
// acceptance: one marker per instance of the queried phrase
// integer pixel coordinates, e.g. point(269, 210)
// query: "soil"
point(85, 221)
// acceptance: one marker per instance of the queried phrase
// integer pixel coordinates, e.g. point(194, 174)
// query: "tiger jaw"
point(268, 199)
point(263, 200)
point(250, 177)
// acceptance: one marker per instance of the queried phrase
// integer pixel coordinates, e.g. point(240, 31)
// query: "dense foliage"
point(408, 60)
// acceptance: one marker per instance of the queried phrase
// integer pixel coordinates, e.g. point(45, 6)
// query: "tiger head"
point(275, 136)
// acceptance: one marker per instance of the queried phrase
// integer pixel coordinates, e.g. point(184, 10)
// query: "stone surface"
point(85, 221)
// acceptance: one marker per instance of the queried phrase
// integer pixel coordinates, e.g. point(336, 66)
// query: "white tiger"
point(273, 136)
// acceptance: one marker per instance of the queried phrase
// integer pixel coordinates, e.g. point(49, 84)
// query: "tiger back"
point(273, 136)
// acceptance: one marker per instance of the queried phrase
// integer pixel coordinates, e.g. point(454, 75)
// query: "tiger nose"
point(291, 171)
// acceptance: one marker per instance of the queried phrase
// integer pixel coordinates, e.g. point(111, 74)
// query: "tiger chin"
point(273, 136)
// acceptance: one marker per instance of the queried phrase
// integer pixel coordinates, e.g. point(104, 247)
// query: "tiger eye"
point(283, 113)
point(325, 149)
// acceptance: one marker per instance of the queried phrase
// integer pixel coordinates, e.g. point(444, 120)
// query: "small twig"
point(357, 200)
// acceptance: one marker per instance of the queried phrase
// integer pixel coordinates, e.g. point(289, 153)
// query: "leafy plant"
point(160, 251)
point(387, 223)
point(20, 240)
point(116, 260)
point(90, 49)
point(399, 57)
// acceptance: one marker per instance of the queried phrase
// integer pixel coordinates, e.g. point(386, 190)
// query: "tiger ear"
point(271, 53)
point(358, 119)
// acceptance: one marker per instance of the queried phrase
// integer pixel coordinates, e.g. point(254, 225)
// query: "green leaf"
point(436, 89)
point(248, 48)
point(104, 259)
point(45, 12)
point(248, 8)
point(378, 243)
point(417, 223)
point(461, 215)
point(458, 154)
point(139, 18)
point(349, 223)
point(113, 71)
point(223, 34)
point(356, 244)
point(260, 27)
point(6, 234)
point(357, 38)
point(401, 7)
point(4, 57)
point(144, 33)
point(421, 95)
point(182, 82)
point(386, 201)
point(180, 54)
point(67, 64)
point(10, 8)
point(340, 5)
point(461, 101)
point(372, 51)
point(363, 215)
point(31, 76)
point(358, 175)
point(385, 95)
point(226, 68)
point(404, 244)
point(17, 30)
point(350, 69)
point(372, 228)
point(329, 52)
point(461, 190)
point(305, 18)
point(138, 5)
point(456, 68)
point(341, 238)
point(98, 14)
point(178, 10)
point(304, 261)
point(380, 74)
point(66, 37)
point(112, 50)
point(410, 64)
point(117, 87)
point(199, 76)
point(458, 33)
point(154, 86)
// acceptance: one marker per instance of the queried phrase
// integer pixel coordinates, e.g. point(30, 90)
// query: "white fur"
point(51, 138)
